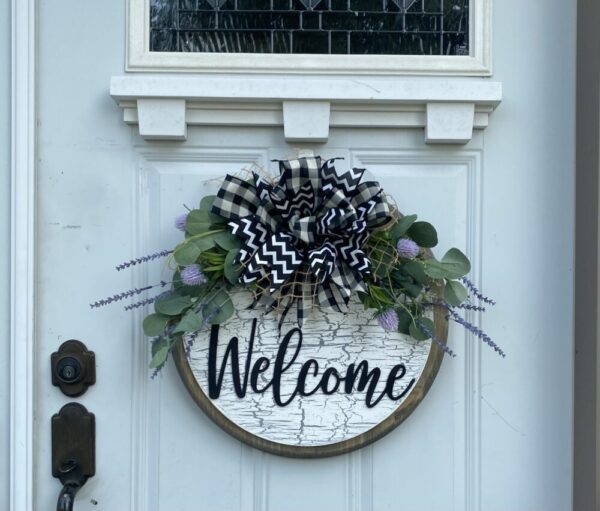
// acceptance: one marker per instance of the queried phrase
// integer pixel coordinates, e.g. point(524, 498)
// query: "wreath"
point(310, 237)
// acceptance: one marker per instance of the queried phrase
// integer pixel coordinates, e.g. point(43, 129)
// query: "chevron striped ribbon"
point(303, 233)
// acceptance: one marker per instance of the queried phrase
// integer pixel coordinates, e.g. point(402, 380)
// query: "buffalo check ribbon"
point(303, 234)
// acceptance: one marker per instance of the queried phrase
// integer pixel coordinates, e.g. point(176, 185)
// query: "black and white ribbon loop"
point(304, 233)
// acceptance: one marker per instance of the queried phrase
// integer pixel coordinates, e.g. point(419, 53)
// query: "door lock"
point(73, 368)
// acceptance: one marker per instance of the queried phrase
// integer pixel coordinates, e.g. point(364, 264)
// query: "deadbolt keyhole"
point(69, 369)
point(73, 368)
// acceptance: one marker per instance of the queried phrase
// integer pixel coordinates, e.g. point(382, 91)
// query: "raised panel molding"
point(467, 379)
point(152, 163)
point(164, 106)
point(255, 466)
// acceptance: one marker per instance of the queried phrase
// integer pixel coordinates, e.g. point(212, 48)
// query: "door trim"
point(22, 265)
point(477, 63)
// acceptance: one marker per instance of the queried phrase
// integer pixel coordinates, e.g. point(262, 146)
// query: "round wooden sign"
point(337, 384)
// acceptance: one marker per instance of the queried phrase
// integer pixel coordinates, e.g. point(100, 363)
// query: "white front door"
point(492, 434)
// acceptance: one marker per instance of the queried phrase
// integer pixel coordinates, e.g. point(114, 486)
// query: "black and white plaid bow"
point(303, 235)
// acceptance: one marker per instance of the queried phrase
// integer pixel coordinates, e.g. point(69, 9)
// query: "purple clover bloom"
point(388, 320)
point(192, 275)
point(407, 248)
point(181, 221)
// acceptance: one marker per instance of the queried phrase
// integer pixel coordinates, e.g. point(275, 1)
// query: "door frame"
point(22, 264)
point(22, 267)
point(586, 443)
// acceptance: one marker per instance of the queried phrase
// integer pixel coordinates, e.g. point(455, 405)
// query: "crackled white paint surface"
point(334, 340)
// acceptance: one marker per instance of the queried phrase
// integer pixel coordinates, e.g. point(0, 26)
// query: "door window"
point(365, 27)
point(343, 37)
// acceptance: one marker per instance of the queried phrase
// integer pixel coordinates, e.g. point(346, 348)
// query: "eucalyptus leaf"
point(198, 222)
point(191, 322)
point(435, 269)
point(457, 263)
point(155, 324)
point(366, 300)
point(232, 271)
point(219, 308)
point(227, 241)
point(380, 295)
point(454, 293)
point(452, 266)
point(416, 269)
point(186, 253)
point(159, 358)
point(206, 204)
point(177, 284)
point(418, 328)
point(401, 226)
point(404, 321)
point(172, 305)
point(423, 234)
point(157, 344)
point(205, 242)
point(412, 290)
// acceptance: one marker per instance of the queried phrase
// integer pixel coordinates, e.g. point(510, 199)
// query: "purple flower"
point(120, 296)
point(192, 275)
point(127, 294)
point(477, 332)
point(442, 345)
point(143, 259)
point(476, 292)
point(181, 221)
point(407, 248)
point(388, 320)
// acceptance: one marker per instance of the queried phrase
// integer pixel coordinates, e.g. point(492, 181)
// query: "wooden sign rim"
point(422, 386)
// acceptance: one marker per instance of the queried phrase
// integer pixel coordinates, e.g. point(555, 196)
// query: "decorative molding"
point(359, 480)
point(146, 393)
point(306, 121)
point(467, 476)
point(478, 63)
point(162, 119)
point(255, 465)
point(254, 491)
point(22, 330)
point(163, 106)
point(449, 123)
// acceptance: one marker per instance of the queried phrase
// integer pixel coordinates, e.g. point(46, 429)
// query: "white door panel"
point(177, 456)
point(492, 434)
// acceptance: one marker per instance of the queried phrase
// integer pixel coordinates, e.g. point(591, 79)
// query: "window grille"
point(366, 27)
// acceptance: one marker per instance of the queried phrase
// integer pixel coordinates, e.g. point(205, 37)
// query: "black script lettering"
point(214, 383)
point(279, 368)
point(366, 377)
point(330, 372)
point(301, 387)
point(392, 378)
point(260, 366)
point(357, 376)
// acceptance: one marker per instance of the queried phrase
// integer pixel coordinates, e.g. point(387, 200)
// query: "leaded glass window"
point(366, 27)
